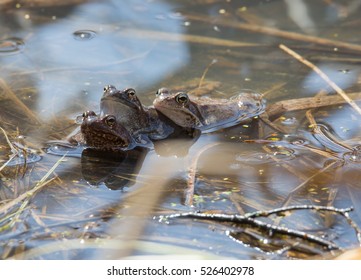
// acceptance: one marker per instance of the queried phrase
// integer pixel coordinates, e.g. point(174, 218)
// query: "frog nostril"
point(162, 91)
point(88, 114)
point(110, 89)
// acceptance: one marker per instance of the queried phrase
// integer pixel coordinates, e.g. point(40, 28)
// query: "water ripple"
point(84, 35)
point(11, 46)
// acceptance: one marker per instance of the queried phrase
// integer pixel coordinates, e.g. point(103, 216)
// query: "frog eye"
point(130, 91)
point(161, 91)
point(110, 121)
point(182, 98)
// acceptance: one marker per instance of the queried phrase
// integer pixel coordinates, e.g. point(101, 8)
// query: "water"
point(55, 61)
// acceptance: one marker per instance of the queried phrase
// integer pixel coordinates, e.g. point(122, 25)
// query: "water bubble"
point(354, 156)
point(299, 142)
point(84, 35)
point(344, 71)
point(282, 153)
point(289, 121)
point(11, 46)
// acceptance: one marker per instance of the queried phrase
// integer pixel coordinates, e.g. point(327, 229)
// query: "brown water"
point(54, 63)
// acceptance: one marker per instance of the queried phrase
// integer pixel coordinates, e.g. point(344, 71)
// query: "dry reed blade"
point(4, 208)
point(12, 96)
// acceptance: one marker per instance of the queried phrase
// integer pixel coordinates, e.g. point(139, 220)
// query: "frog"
point(126, 107)
point(105, 133)
point(144, 123)
point(208, 114)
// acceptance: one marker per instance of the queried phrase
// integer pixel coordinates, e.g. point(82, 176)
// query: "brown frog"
point(143, 123)
point(208, 114)
point(105, 133)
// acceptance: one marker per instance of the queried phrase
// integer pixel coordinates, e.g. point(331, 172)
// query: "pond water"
point(55, 60)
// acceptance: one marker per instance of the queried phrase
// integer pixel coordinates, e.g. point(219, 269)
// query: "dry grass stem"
point(176, 37)
point(324, 136)
point(205, 72)
point(304, 183)
point(27, 195)
point(323, 76)
point(12, 96)
point(307, 103)
point(275, 32)
point(192, 170)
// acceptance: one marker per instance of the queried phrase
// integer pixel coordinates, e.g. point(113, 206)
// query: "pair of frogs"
point(124, 123)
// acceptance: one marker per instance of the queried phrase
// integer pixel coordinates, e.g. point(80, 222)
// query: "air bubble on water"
point(344, 71)
point(289, 121)
point(11, 46)
point(354, 156)
point(281, 152)
point(84, 35)
point(299, 142)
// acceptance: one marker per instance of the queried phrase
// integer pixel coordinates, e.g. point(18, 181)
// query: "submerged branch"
point(250, 219)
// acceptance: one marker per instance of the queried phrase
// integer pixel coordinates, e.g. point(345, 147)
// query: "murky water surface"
point(55, 60)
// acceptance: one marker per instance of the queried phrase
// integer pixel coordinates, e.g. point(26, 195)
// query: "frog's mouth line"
point(113, 102)
point(191, 121)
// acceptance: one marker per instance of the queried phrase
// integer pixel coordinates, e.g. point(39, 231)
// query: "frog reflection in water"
point(143, 123)
point(105, 133)
point(208, 114)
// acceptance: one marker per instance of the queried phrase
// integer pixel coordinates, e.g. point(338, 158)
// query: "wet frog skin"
point(126, 107)
point(142, 122)
point(105, 133)
point(208, 114)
